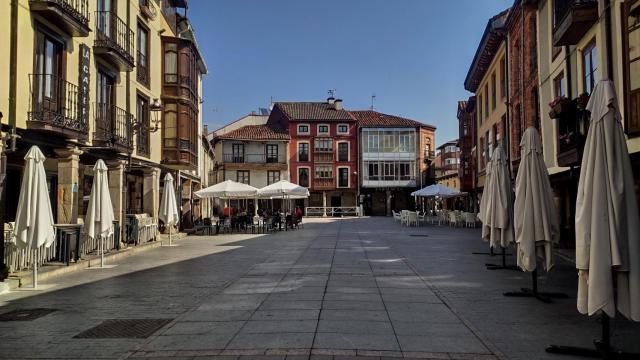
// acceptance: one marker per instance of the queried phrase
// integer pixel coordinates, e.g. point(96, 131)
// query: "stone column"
point(388, 194)
point(151, 192)
point(324, 203)
point(68, 184)
point(117, 188)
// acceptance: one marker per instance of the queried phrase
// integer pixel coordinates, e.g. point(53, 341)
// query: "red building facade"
point(323, 151)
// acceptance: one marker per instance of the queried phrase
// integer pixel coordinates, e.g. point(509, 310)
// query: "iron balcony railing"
point(112, 32)
point(142, 71)
point(79, 9)
point(54, 101)
point(113, 126)
point(253, 159)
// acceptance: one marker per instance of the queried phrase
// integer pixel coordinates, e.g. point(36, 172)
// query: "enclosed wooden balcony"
point(113, 127)
point(323, 184)
point(572, 20)
point(323, 157)
point(114, 40)
point(54, 106)
point(72, 16)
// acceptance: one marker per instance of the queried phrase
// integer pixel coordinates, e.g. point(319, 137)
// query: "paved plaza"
point(339, 288)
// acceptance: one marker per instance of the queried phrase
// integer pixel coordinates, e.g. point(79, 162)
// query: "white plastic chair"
point(396, 216)
point(404, 216)
point(412, 218)
point(422, 218)
point(453, 219)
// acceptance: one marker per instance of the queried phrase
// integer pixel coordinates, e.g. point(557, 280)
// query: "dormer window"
point(323, 129)
point(303, 129)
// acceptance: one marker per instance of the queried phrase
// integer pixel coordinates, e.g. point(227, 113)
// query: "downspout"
point(125, 182)
point(507, 137)
point(609, 50)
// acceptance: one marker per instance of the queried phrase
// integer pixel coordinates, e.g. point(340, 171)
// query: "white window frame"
point(328, 133)
point(340, 132)
point(369, 137)
point(348, 150)
point(327, 166)
point(308, 132)
point(298, 150)
point(338, 177)
point(308, 171)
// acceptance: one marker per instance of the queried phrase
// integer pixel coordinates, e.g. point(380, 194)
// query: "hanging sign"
point(83, 84)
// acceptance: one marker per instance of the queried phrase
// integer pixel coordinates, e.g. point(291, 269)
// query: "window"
point(170, 125)
point(273, 177)
point(343, 177)
point(324, 145)
point(493, 91)
point(590, 67)
point(483, 157)
point(374, 171)
point(343, 129)
point(343, 151)
point(405, 143)
point(405, 171)
point(486, 100)
point(303, 129)
point(272, 153)
point(303, 177)
point(389, 142)
point(303, 151)
point(558, 85)
point(480, 113)
point(323, 129)
point(170, 63)
point(142, 113)
point(242, 176)
point(632, 66)
point(503, 78)
point(372, 142)
point(142, 63)
point(324, 172)
point(237, 155)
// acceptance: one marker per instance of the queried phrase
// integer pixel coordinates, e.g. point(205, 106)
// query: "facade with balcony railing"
point(67, 88)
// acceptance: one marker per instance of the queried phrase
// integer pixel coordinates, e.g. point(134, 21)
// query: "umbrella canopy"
point(34, 218)
point(168, 206)
point(484, 199)
point(607, 223)
point(535, 219)
point(284, 188)
point(99, 218)
point(436, 190)
point(228, 189)
point(496, 216)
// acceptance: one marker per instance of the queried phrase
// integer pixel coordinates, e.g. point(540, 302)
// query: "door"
point(272, 153)
point(105, 98)
point(47, 79)
point(103, 17)
point(237, 153)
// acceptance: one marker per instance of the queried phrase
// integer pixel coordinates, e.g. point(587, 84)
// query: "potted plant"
point(559, 106)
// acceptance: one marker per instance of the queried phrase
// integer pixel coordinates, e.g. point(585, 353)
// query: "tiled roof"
point(255, 132)
point(313, 111)
point(370, 118)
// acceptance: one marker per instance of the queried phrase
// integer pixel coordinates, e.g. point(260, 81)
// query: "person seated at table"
point(298, 212)
point(227, 211)
point(277, 219)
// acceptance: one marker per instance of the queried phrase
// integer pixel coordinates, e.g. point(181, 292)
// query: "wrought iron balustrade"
point(112, 33)
point(54, 103)
point(70, 15)
point(253, 159)
point(113, 126)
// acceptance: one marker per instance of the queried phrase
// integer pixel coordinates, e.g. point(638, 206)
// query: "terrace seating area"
point(452, 218)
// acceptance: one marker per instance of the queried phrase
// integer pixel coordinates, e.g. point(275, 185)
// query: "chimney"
point(337, 104)
point(205, 130)
point(331, 100)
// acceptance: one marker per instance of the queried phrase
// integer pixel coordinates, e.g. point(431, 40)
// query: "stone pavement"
point(337, 289)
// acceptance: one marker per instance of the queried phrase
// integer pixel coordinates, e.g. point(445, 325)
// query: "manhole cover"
point(419, 235)
point(25, 314)
point(124, 328)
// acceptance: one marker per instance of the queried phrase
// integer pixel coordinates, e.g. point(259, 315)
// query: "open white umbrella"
point(607, 224)
point(100, 217)
point(535, 219)
point(34, 219)
point(228, 189)
point(168, 206)
point(283, 188)
point(436, 190)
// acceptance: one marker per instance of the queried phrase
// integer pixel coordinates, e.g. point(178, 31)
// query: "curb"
point(23, 278)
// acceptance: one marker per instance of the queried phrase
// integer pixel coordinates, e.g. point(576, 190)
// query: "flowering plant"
point(558, 100)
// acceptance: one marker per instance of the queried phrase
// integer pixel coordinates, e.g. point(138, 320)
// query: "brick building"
point(467, 141)
point(323, 150)
point(523, 99)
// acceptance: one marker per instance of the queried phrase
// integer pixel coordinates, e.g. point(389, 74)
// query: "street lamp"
point(155, 108)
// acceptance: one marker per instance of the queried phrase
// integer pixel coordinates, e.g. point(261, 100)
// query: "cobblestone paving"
point(337, 289)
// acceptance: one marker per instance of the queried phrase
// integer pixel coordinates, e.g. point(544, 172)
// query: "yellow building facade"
point(118, 80)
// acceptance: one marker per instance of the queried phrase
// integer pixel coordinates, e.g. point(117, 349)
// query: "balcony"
point(113, 127)
point(321, 157)
point(323, 184)
point(572, 130)
point(389, 181)
point(142, 69)
point(72, 16)
point(572, 20)
point(54, 107)
point(114, 40)
point(253, 159)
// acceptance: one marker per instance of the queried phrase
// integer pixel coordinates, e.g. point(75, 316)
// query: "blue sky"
point(413, 54)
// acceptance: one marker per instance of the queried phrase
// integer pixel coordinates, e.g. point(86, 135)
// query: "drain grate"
point(25, 314)
point(419, 235)
point(124, 328)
